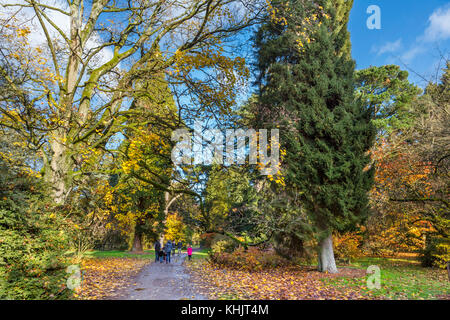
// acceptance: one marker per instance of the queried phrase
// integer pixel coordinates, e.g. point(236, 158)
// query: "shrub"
point(206, 239)
point(347, 246)
point(32, 242)
point(223, 246)
point(252, 259)
point(436, 252)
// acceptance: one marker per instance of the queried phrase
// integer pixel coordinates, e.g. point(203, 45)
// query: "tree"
point(342, 15)
point(230, 201)
point(74, 95)
point(176, 229)
point(387, 90)
point(326, 132)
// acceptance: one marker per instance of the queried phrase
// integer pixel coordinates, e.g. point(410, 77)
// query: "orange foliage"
point(398, 225)
point(104, 277)
point(347, 246)
point(283, 283)
point(251, 259)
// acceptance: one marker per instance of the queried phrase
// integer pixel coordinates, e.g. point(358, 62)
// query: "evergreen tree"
point(307, 90)
point(342, 15)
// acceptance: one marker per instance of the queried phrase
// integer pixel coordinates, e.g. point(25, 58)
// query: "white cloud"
point(438, 29)
point(439, 25)
point(389, 47)
point(412, 53)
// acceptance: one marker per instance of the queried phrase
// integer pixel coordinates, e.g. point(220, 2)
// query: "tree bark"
point(137, 243)
point(60, 171)
point(326, 256)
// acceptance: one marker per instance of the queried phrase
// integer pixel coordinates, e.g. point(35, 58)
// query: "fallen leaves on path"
point(107, 277)
point(284, 283)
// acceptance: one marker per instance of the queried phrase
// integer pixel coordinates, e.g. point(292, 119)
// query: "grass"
point(400, 279)
point(200, 254)
point(148, 254)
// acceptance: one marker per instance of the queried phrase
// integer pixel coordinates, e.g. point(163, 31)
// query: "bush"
point(223, 246)
point(206, 239)
point(32, 242)
point(252, 259)
point(436, 252)
point(347, 246)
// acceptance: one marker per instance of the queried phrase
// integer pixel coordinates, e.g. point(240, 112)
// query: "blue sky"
point(410, 35)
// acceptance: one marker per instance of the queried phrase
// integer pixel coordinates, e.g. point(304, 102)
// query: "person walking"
point(157, 250)
point(174, 247)
point(189, 252)
point(163, 254)
point(180, 245)
point(168, 251)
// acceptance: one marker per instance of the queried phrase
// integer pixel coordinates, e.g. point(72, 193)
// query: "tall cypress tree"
point(307, 90)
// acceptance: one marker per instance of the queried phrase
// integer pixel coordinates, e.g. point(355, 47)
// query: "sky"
point(413, 35)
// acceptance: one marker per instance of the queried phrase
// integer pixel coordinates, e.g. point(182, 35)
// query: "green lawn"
point(200, 254)
point(148, 254)
point(400, 279)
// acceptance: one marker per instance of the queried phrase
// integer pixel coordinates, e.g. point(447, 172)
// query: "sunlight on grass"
point(200, 254)
point(148, 254)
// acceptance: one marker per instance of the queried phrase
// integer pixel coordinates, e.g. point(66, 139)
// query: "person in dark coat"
point(168, 251)
point(162, 254)
point(157, 250)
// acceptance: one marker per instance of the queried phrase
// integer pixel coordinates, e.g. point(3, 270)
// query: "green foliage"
point(230, 200)
point(32, 240)
point(387, 90)
point(342, 8)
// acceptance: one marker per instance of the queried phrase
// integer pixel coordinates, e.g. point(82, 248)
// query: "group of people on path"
point(163, 253)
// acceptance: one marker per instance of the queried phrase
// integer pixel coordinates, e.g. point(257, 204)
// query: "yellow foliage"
point(176, 229)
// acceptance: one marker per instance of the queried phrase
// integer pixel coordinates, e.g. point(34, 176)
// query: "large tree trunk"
point(137, 243)
point(58, 172)
point(326, 256)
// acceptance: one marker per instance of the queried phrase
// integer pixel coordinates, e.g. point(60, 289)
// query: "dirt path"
point(161, 281)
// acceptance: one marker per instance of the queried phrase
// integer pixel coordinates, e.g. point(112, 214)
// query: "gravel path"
point(161, 281)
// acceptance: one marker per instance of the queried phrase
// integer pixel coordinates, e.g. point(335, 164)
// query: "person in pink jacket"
point(189, 252)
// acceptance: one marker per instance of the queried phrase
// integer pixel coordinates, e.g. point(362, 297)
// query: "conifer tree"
point(307, 90)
